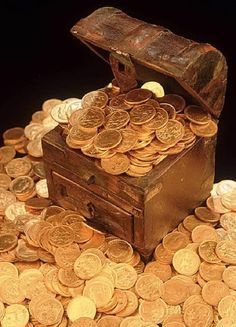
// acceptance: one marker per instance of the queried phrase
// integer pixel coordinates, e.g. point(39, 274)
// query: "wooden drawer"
point(99, 213)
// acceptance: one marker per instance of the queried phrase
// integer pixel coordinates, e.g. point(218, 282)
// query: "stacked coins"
point(133, 132)
point(57, 271)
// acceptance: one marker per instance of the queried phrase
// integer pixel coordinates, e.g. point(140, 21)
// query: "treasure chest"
point(142, 209)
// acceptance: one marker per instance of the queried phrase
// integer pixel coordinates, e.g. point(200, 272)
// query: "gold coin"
point(132, 305)
point(2, 310)
point(206, 251)
point(214, 204)
point(15, 315)
point(118, 102)
point(126, 276)
point(84, 322)
point(28, 278)
point(211, 271)
point(213, 291)
point(148, 286)
point(186, 262)
point(87, 265)
point(198, 315)
point(163, 271)
point(107, 139)
point(109, 320)
point(204, 233)
point(61, 236)
point(158, 121)
point(155, 87)
point(42, 188)
point(117, 120)
point(10, 290)
point(22, 184)
point(8, 269)
point(174, 291)
point(41, 313)
point(226, 322)
point(175, 100)
point(154, 311)
point(49, 104)
point(32, 130)
point(81, 137)
point(99, 290)
point(163, 255)
point(226, 251)
point(7, 153)
point(172, 132)
point(7, 242)
point(229, 200)
point(13, 135)
point(138, 96)
point(81, 306)
point(129, 140)
point(197, 114)
point(97, 99)
point(65, 256)
point(206, 130)
point(171, 112)
point(175, 241)
point(5, 181)
point(116, 165)
point(91, 119)
point(142, 113)
point(18, 167)
point(229, 277)
point(206, 215)
point(225, 186)
point(227, 307)
point(119, 251)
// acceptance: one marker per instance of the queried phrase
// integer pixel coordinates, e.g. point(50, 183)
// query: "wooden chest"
point(141, 210)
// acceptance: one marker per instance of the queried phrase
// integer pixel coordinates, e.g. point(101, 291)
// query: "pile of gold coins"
point(57, 271)
point(132, 132)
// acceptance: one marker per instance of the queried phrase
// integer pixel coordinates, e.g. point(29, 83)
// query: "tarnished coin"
point(142, 113)
point(171, 133)
point(18, 167)
point(206, 130)
point(97, 99)
point(138, 96)
point(91, 119)
point(81, 306)
point(107, 139)
point(197, 115)
point(155, 87)
point(116, 165)
point(175, 100)
point(186, 262)
point(117, 120)
point(7, 153)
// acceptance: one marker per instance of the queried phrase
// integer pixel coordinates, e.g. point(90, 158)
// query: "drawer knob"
point(91, 210)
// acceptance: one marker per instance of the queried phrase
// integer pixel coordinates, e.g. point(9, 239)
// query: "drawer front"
point(99, 213)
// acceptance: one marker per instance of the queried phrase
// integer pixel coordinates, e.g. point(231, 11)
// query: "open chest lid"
point(197, 68)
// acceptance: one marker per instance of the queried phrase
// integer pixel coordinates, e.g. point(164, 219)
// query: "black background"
point(40, 59)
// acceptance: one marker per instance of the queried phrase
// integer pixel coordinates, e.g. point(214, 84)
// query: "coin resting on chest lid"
point(136, 156)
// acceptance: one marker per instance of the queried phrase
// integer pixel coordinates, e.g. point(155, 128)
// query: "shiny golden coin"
point(10, 290)
point(117, 120)
point(22, 184)
point(15, 315)
point(214, 204)
point(175, 100)
point(186, 262)
point(213, 291)
point(163, 271)
point(42, 188)
point(198, 315)
point(28, 278)
point(81, 137)
point(45, 317)
point(18, 167)
point(163, 255)
point(206, 215)
point(154, 311)
point(197, 115)
point(61, 236)
point(107, 139)
point(148, 286)
point(229, 200)
point(7, 242)
point(7, 153)
point(227, 307)
point(129, 140)
point(207, 252)
point(174, 291)
point(225, 186)
point(226, 322)
point(118, 102)
point(158, 121)
point(126, 276)
point(204, 233)
point(116, 165)
point(228, 221)
point(119, 250)
point(171, 133)
point(97, 99)
point(100, 291)
point(83, 233)
point(206, 130)
point(175, 241)
point(138, 96)
point(87, 265)
point(2, 310)
point(169, 109)
point(8, 269)
point(32, 130)
point(65, 256)
point(132, 305)
point(211, 271)
point(229, 277)
point(109, 320)
point(141, 114)
point(226, 251)
point(155, 87)
point(49, 104)
point(91, 119)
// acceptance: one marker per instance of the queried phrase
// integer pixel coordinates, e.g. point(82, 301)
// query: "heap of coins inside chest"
point(132, 132)
point(57, 271)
